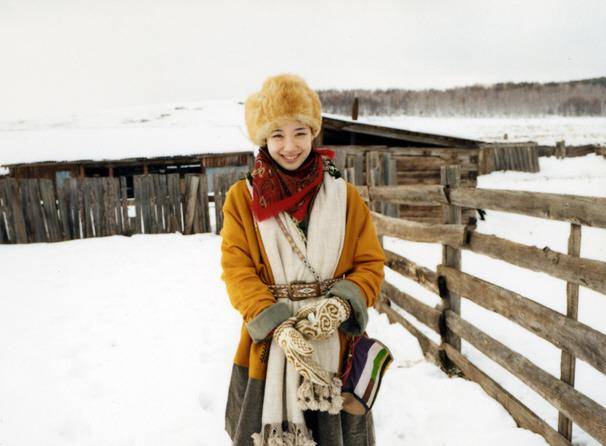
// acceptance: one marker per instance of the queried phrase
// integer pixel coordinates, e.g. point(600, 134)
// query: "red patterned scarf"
point(276, 189)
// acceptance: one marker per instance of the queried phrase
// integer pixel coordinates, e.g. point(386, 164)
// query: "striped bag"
point(365, 365)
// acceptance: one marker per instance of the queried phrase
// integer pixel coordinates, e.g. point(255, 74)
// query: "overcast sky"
point(64, 56)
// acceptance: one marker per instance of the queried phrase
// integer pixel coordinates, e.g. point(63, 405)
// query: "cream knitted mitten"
point(319, 320)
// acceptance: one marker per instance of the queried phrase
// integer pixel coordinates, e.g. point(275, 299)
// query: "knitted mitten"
point(298, 352)
point(320, 319)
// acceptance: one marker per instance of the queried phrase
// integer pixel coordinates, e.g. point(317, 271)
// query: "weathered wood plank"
point(138, 193)
point(523, 416)
point(202, 205)
point(49, 209)
point(589, 211)
point(450, 179)
point(191, 191)
point(453, 235)
point(15, 211)
point(567, 362)
point(126, 228)
point(564, 332)
point(407, 194)
point(420, 274)
point(586, 272)
point(175, 219)
point(422, 312)
point(588, 414)
point(430, 349)
point(64, 211)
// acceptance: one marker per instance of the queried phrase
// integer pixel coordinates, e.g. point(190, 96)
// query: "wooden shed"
point(210, 164)
point(400, 156)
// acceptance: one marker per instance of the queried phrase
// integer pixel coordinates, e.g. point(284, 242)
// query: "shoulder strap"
point(296, 249)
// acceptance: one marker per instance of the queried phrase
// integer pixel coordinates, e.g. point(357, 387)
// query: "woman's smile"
point(290, 158)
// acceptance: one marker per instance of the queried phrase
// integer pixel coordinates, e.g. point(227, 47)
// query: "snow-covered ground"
point(129, 341)
point(580, 176)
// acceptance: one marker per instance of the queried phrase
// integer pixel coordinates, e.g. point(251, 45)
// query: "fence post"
point(567, 364)
point(450, 178)
point(560, 150)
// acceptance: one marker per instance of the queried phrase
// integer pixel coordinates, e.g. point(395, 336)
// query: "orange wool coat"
point(247, 272)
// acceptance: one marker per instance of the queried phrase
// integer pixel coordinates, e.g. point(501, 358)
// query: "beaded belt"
point(300, 291)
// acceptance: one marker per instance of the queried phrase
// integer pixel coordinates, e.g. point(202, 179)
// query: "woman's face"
point(290, 144)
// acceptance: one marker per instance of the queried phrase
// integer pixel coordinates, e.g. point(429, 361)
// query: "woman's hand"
point(319, 320)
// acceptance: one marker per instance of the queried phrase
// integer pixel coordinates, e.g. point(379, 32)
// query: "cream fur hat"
point(282, 98)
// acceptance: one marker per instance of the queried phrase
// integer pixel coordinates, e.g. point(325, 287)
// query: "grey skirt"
point(245, 405)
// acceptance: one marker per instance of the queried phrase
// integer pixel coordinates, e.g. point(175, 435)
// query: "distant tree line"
point(574, 98)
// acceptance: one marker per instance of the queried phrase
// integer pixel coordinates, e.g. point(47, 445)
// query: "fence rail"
point(573, 338)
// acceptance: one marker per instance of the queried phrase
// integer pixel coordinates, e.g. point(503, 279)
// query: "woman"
point(294, 220)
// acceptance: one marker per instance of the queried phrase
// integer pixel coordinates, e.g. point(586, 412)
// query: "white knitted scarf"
point(282, 418)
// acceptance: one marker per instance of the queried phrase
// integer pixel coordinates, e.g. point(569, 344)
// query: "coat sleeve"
point(362, 283)
point(247, 292)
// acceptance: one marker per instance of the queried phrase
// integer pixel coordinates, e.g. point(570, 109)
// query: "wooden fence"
point(575, 339)
point(32, 210)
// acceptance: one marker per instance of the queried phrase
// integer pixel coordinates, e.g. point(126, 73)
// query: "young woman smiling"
point(301, 263)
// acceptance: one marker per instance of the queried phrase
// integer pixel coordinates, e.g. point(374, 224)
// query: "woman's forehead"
point(291, 125)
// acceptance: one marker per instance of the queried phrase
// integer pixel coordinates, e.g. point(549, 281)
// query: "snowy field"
point(129, 341)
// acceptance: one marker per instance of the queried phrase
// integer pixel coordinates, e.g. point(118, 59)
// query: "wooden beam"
point(523, 416)
point(453, 235)
point(589, 211)
point(567, 362)
point(586, 272)
point(420, 274)
point(588, 414)
point(564, 332)
point(450, 179)
point(422, 312)
point(430, 349)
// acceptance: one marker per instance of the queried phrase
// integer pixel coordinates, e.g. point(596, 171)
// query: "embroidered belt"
point(303, 290)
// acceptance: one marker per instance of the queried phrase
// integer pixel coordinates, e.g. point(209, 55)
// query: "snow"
point(150, 131)
point(544, 130)
point(130, 341)
point(581, 176)
point(217, 126)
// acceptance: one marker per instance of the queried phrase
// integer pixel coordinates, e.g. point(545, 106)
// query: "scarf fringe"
point(275, 435)
point(312, 396)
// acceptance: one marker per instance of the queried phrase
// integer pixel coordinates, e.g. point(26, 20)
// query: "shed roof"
point(166, 130)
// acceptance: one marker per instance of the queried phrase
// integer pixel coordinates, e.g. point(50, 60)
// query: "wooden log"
point(589, 211)
point(422, 312)
point(524, 417)
point(430, 349)
point(586, 272)
point(567, 362)
point(588, 414)
point(564, 332)
point(420, 274)
point(408, 194)
point(452, 235)
point(450, 178)
point(191, 191)
point(49, 209)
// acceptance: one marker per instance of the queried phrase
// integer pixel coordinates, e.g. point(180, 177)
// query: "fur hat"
point(282, 97)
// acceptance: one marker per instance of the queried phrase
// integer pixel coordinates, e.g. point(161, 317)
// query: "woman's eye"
point(277, 136)
point(301, 134)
